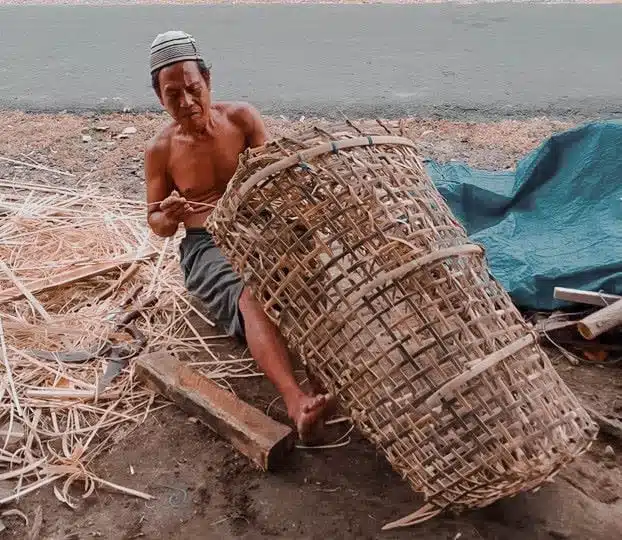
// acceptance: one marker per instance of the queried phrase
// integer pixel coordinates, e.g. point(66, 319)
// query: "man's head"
point(181, 78)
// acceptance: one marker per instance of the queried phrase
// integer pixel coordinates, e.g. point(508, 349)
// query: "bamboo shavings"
point(62, 420)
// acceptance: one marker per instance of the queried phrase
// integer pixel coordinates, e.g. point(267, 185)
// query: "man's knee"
point(247, 300)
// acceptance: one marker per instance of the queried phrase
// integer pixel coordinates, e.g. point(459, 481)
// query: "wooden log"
point(584, 297)
point(611, 426)
point(72, 276)
point(599, 322)
point(263, 440)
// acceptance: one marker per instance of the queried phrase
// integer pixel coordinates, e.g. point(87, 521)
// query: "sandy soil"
point(89, 145)
point(204, 489)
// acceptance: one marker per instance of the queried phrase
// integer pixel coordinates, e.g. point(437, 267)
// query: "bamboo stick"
point(35, 166)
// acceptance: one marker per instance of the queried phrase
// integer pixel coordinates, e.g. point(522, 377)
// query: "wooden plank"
point(72, 276)
point(611, 426)
point(601, 321)
point(263, 440)
point(585, 297)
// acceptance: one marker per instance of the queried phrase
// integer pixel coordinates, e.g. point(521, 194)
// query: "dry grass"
point(55, 417)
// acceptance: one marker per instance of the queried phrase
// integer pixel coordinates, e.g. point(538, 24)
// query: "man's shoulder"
point(160, 143)
point(238, 112)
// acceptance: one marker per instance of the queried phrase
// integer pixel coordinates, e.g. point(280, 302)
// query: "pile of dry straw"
point(53, 419)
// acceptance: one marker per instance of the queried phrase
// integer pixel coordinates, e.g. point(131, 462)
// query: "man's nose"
point(185, 99)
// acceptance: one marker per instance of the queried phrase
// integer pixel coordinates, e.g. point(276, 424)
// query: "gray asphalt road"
point(390, 60)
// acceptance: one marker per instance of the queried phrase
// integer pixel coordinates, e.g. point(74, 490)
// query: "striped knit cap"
point(171, 47)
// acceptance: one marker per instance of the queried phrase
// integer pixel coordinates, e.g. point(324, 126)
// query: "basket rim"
point(323, 148)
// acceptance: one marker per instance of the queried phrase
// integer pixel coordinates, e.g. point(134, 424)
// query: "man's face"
point(185, 95)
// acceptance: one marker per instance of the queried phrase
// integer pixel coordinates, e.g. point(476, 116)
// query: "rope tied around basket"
point(303, 164)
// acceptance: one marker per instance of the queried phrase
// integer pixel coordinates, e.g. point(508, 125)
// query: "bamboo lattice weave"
point(359, 261)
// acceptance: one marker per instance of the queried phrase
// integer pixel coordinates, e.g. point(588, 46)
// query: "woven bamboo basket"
point(357, 258)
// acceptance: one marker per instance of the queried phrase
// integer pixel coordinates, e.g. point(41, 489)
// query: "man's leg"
point(209, 277)
point(269, 351)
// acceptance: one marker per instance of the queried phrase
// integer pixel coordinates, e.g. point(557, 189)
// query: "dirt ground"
point(203, 488)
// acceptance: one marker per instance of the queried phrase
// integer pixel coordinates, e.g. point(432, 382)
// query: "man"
point(187, 168)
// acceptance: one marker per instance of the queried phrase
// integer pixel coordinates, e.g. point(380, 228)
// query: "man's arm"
point(164, 211)
point(254, 127)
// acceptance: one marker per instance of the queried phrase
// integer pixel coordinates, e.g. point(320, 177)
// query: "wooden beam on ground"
point(601, 321)
point(611, 426)
point(72, 276)
point(585, 297)
point(263, 440)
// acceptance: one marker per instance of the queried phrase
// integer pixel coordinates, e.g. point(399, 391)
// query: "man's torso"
point(200, 168)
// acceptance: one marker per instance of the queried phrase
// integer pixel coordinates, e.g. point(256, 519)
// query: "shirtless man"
point(191, 160)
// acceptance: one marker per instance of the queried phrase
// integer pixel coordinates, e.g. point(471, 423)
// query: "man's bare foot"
point(308, 415)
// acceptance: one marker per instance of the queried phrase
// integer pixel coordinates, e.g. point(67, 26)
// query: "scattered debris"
point(11, 435)
point(16, 512)
point(597, 356)
point(558, 535)
point(579, 331)
point(34, 166)
point(66, 285)
point(125, 134)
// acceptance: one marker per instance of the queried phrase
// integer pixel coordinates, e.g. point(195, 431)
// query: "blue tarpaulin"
point(554, 222)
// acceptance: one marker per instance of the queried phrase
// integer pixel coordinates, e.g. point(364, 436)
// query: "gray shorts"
point(209, 276)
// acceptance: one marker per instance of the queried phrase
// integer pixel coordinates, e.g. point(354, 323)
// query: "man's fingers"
point(171, 207)
point(172, 202)
point(176, 214)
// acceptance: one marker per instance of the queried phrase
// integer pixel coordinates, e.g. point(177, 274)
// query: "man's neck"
point(205, 132)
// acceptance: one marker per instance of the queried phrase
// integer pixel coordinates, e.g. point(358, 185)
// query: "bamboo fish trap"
point(357, 258)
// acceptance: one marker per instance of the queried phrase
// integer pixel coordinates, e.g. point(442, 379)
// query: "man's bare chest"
point(198, 170)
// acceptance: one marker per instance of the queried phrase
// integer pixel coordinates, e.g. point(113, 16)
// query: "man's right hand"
point(175, 207)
